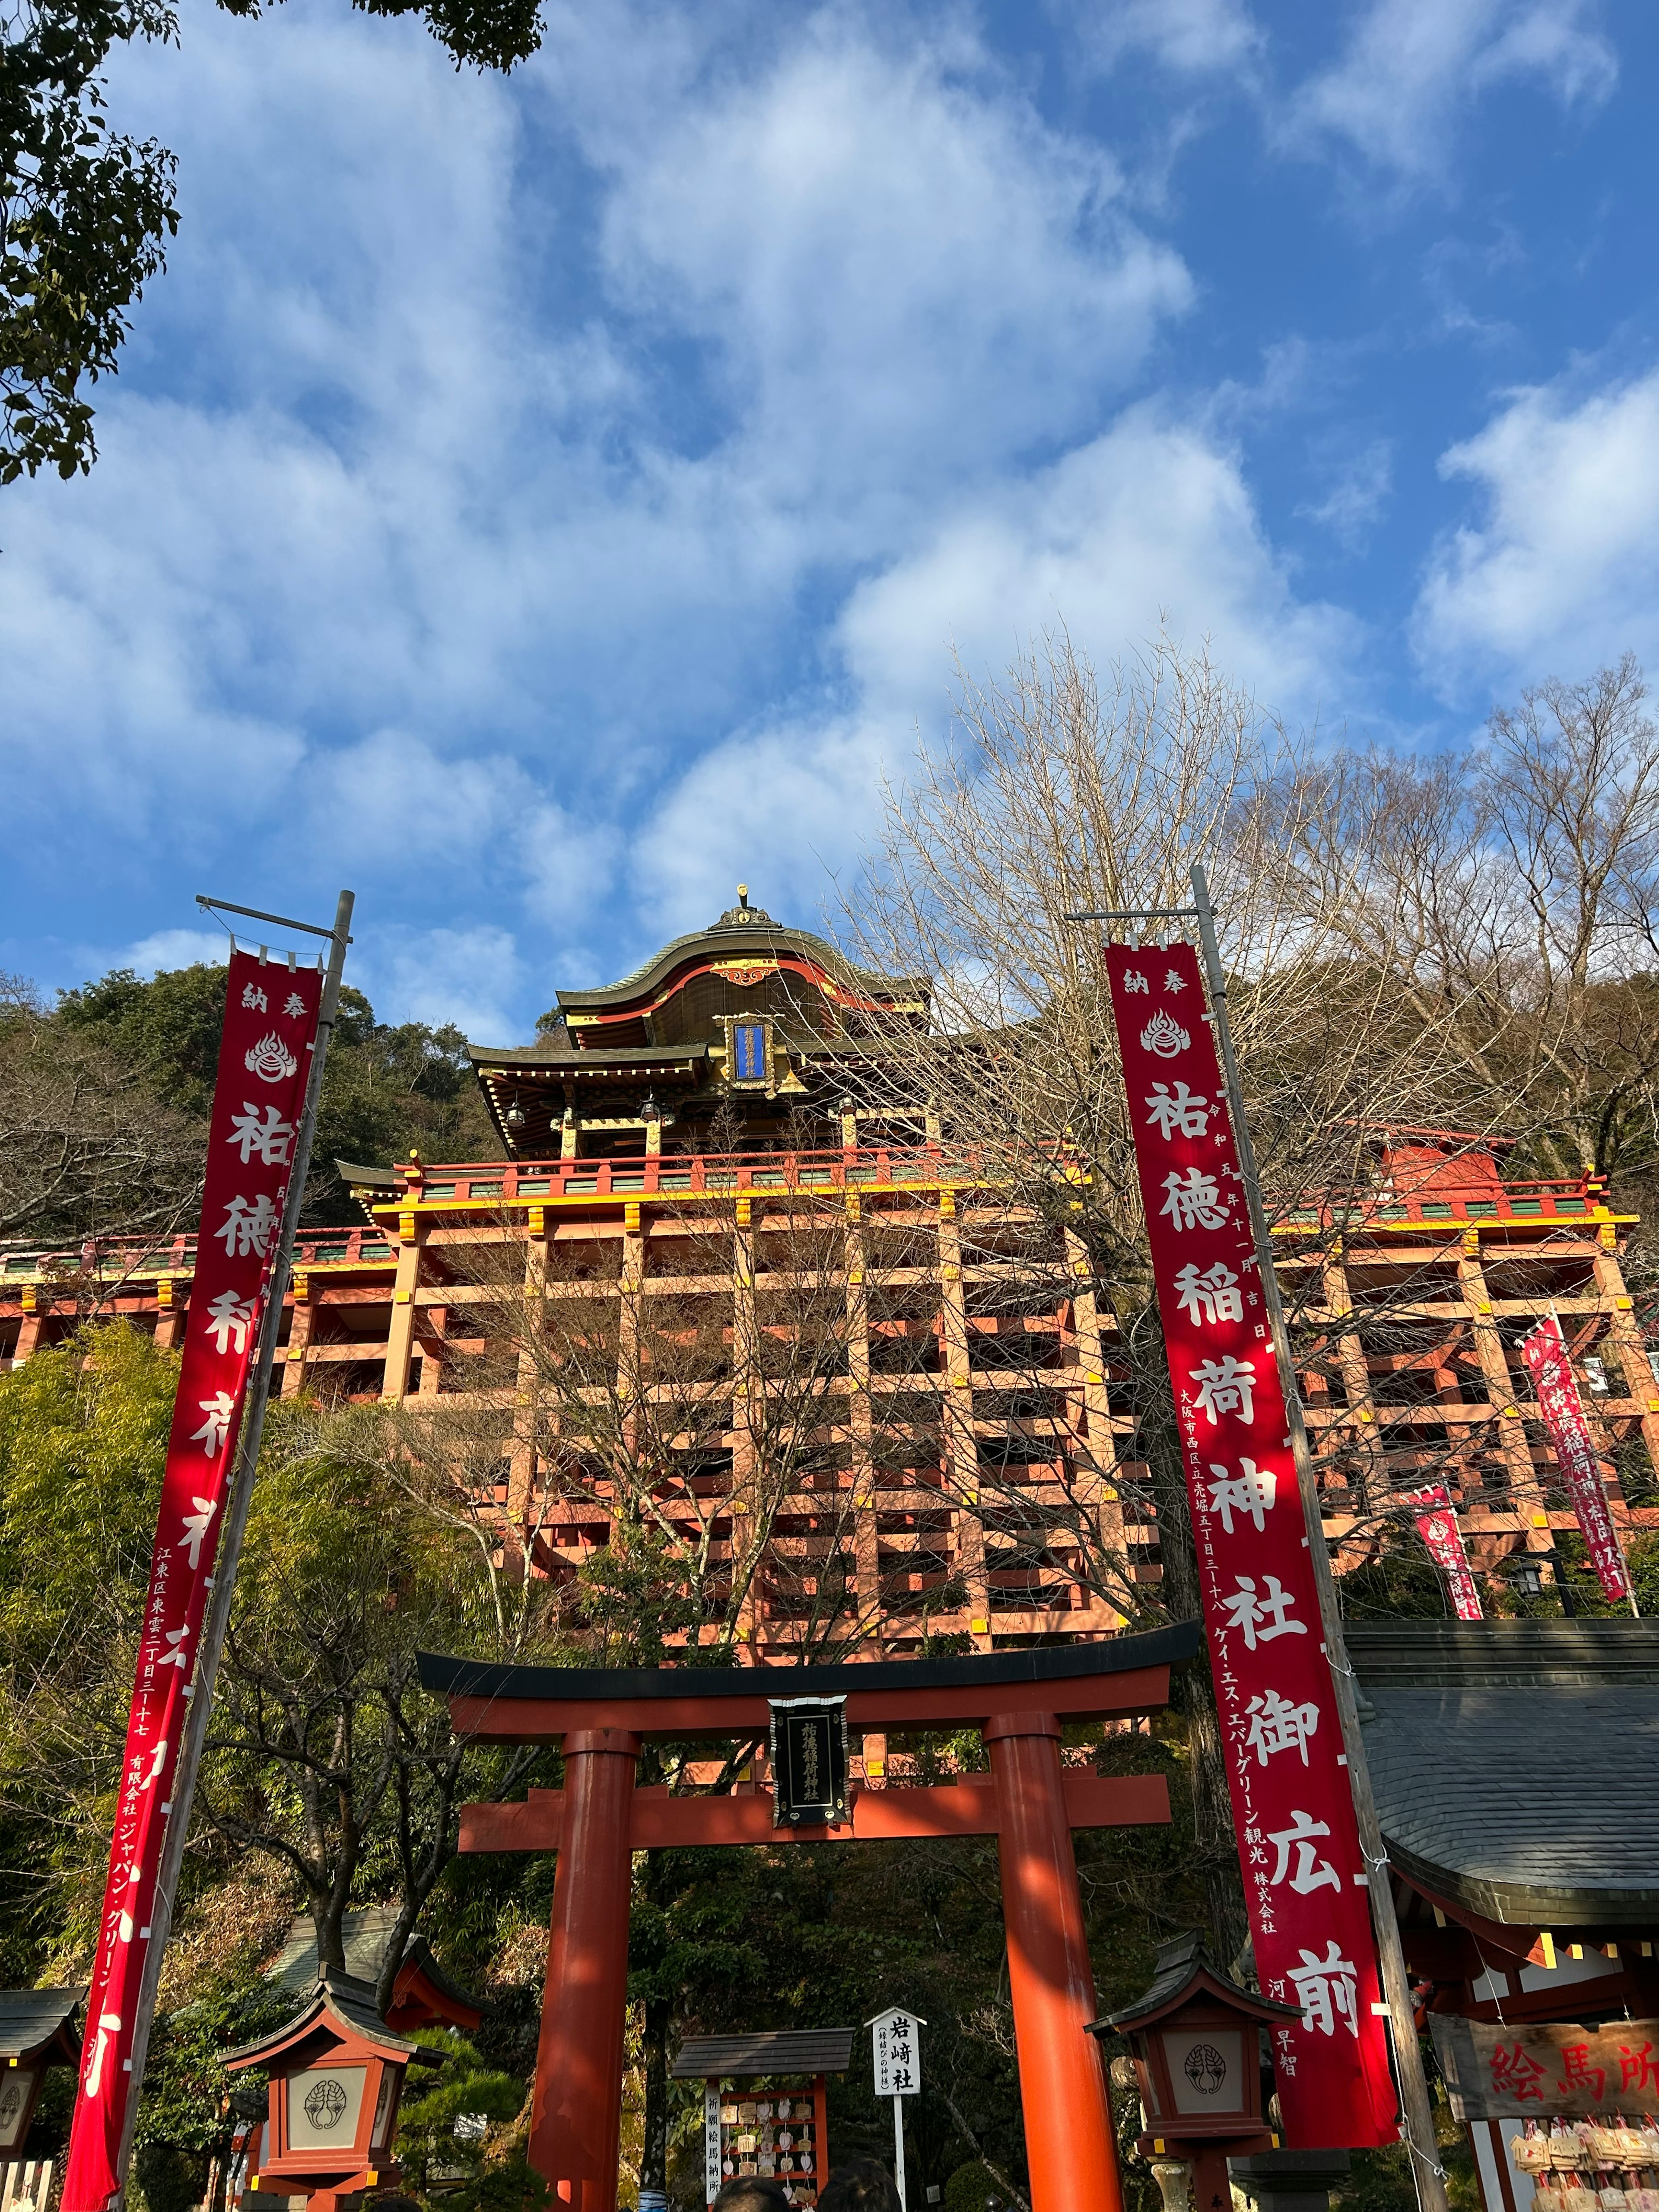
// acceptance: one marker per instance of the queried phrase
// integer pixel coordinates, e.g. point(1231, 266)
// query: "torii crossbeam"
point(1029, 1802)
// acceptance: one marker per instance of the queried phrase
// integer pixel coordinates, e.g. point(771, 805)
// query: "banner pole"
point(217, 1622)
point(1427, 2172)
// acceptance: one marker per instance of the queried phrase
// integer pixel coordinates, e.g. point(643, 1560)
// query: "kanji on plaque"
point(1298, 1841)
point(1547, 1357)
point(270, 1025)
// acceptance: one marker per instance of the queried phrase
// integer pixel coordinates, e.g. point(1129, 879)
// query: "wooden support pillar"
point(748, 1415)
point(35, 1310)
point(1095, 1490)
point(1526, 1491)
point(400, 1337)
point(576, 2115)
point(1337, 1298)
point(532, 1334)
point(1069, 2145)
point(1626, 1339)
point(299, 1334)
point(860, 1427)
point(956, 1421)
point(169, 1316)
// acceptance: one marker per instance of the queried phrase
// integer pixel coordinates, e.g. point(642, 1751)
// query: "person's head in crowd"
point(751, 2192)
point(863, 2184)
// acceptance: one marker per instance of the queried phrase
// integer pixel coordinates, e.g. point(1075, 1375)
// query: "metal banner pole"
point(1427, 2171)
point(235, 1522)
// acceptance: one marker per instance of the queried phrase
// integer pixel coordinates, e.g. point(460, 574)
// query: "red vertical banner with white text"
point(1299, 1840)
point(264, 1059)
point(1551, 1366)
point(1437, 1524)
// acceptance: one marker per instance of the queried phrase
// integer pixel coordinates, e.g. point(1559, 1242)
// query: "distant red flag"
point(1437, 1524)
point(1546, 1354)
point(270, 1028)
point(1299, 1836)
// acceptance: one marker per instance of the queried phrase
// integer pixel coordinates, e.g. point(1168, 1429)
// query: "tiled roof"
point(793, 2050)
point(1516, 1764)
point(29, 2018)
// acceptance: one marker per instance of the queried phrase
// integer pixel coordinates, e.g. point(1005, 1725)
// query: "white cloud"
point(1192, 37)
point(473, 977)
point(182, 948)
point(1564, 570)
point(1411, 66)
point(1152, 520)
point(1361, 485)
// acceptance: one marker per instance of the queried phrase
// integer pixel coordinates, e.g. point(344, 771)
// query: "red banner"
point(1437, 1524)
point(1298, 1842)
point(270, 1024)
point(1546, 1354)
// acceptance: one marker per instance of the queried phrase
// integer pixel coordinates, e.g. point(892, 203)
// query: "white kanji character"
point(1225, 1386)
point(1173, 980)
point(1277, 1725)
point(1311, 1871)
point(248, 1228)
point(1213, 1296)
point(294, 1005)
point(196, 1529)
point(1327, 1988)
point(1186, 1113)
point(1254, 1490)
point(1250, 1610)
point(178, 1657)
point(254, 997)
point(109, 2025)
point(1134, 981)
point(229, 1315)
point(220, 1410)
point(261, 1129)
point(1194, 1200)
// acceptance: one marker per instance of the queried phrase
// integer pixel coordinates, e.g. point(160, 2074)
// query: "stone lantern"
point(337, 2072)
point(1196, 2043)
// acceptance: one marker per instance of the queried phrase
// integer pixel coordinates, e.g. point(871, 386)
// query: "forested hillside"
point(104, 1096)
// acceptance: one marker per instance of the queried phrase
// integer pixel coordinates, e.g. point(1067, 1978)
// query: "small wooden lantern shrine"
point(37, 2030)
point(337, 2073)
point(780, 2131)
point(1196, 2041)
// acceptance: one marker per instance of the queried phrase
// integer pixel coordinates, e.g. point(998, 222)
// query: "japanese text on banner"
point(1546, 1354)
point(270, 1024)
point(1437, 1524)
point(1298, 1841)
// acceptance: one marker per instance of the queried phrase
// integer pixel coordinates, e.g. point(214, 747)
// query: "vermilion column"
point(575, 2120)
point(1062, 2086)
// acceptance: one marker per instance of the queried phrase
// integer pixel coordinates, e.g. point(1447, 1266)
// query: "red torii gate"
point(1029, 1802)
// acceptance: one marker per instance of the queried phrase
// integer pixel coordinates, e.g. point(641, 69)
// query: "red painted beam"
point(1083, 1697)
point(964, 1808)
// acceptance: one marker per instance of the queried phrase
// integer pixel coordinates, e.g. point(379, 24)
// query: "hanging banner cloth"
point(1551, 1366)
point(1437, 1524)
point(270, 1025)
point(1298, 1841)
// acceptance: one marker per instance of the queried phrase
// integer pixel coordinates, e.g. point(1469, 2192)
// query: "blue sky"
point(538, 503)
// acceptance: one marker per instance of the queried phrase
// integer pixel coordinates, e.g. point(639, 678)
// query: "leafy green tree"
point(154, 1042)
point(445, 2119)
point(86, 213)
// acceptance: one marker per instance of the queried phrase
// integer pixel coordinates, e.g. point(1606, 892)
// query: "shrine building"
point(724, 1144)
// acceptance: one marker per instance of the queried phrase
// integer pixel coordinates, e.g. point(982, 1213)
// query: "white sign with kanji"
point(897, 2051)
